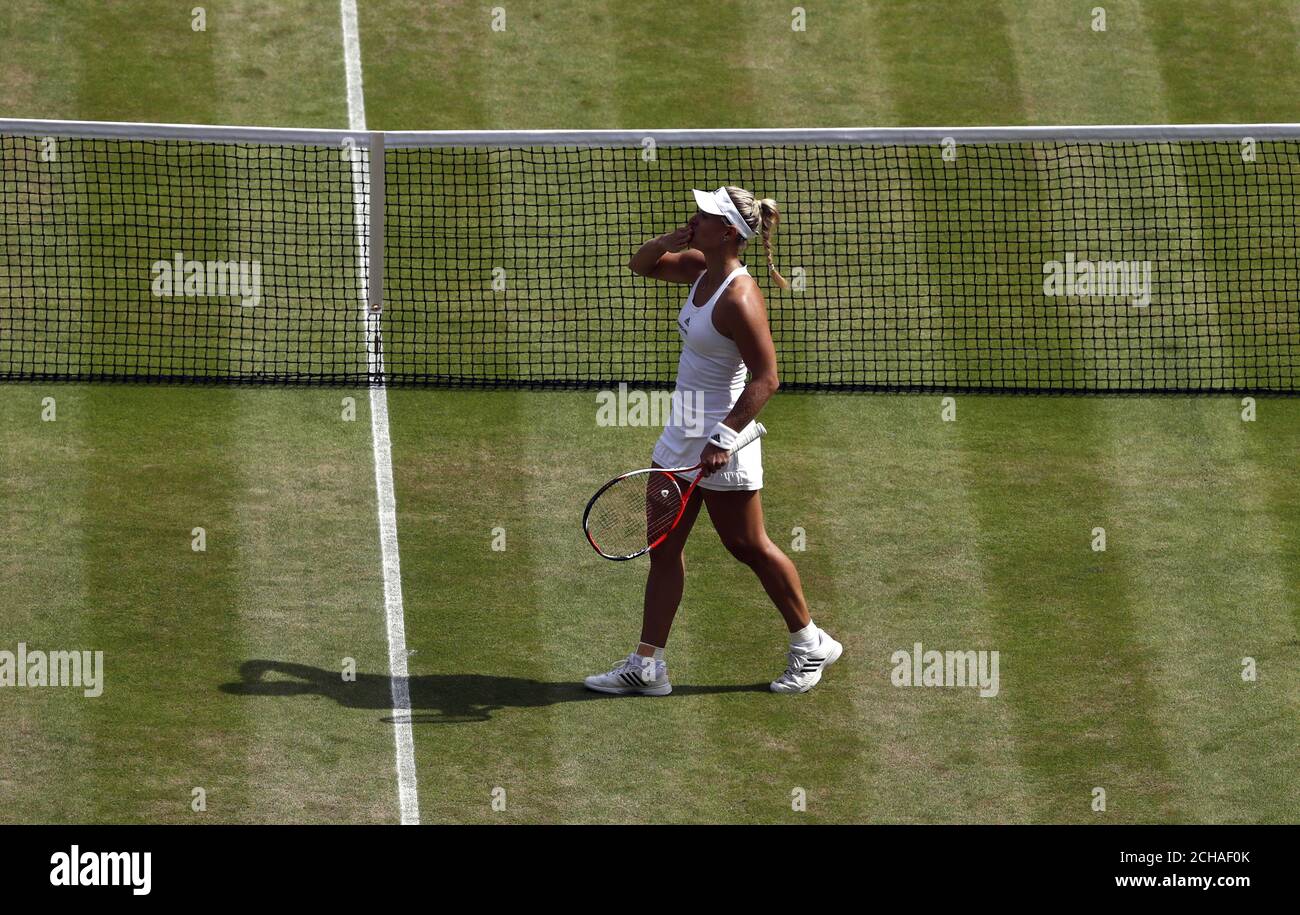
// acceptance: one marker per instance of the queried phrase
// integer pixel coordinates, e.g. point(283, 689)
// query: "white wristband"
point(723, 436)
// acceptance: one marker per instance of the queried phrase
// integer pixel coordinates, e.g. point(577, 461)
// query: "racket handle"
point(752, 434)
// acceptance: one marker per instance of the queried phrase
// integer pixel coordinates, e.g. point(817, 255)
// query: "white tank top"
point(710, 372)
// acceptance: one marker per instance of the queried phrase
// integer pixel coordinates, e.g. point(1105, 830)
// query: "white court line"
point(408, 798)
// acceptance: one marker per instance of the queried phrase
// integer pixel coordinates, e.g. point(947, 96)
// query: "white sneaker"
point(806, 665)
point(633, 676)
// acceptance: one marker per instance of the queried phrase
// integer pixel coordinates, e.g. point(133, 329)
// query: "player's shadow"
point(435, 698)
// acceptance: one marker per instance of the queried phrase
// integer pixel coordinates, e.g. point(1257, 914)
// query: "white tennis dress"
point(710, 377)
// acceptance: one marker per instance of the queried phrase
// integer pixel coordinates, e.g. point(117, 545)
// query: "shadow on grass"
point(453, 698)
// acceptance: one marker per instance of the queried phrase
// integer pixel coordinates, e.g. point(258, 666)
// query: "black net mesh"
point(1031, 266)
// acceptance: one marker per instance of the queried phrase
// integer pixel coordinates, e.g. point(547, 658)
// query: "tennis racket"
point(634, 512)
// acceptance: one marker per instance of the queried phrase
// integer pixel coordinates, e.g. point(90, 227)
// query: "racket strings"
point(634, 512)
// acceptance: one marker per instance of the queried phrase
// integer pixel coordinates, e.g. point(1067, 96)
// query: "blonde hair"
point(762, 216)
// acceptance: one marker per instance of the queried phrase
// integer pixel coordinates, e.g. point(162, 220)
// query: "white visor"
point(719, 204)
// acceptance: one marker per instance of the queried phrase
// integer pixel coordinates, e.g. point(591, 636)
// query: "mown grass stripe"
point(1274, 444)
point(815, 741)
point(169, 67)
point(158, 466)
point(429, 66)
point(270, 64)
point(1071, 74)
point(829, 74)
point(1073, 667)
point(1213, 582)
point(1251, 49)
point(928, 61)
point(43, 578)
point(90, 765)
point(155, 473)
point(680, 65)
point(295, 448)
point(1046, 644)
point(38, 77)
point(478, 671)
point(910, 569)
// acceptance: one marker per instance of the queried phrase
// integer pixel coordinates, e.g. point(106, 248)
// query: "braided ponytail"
point(769, 216)
point(762, 216)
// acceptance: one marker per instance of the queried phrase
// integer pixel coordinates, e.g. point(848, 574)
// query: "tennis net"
point(1130, 259)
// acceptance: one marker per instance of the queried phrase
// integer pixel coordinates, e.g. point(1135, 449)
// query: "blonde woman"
point(725, 335)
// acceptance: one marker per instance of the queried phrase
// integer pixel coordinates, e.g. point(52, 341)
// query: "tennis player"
point(724, 331)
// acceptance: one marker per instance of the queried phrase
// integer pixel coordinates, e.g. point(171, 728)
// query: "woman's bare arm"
point(660, 259)
point(746, 324)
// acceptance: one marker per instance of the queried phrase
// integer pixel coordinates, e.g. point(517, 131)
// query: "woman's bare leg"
point(738, 518)
point(664, 584)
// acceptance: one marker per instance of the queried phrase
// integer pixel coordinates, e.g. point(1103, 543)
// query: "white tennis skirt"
point(677, 448)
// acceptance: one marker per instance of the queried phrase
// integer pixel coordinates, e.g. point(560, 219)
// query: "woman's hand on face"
point(678, 238)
